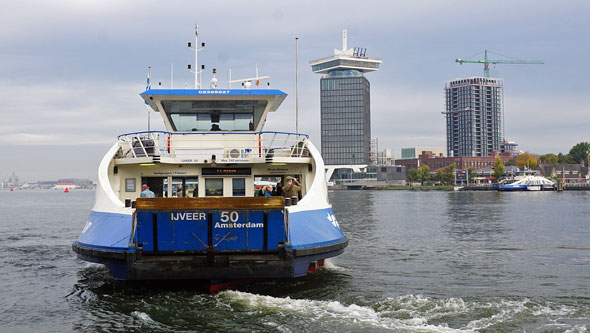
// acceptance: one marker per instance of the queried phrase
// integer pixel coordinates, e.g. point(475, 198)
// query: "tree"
point(449, 173)
point(413, 175)
point(579, 152)
point(563, 159)
point(471, 175)
point(439, 176)
point(511, 162)
point(549, 159)
point(498, 168)
point(526, 160)
point(424, 173)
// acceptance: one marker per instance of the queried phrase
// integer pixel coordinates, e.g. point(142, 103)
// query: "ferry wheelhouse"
point(205, 221)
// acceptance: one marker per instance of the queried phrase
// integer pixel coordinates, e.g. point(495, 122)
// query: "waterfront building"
point(345, 106)
point(474, 116)
point(395, 174)
point(567, 173)
point(385, 158)
point(414, 152)
point(462, 162)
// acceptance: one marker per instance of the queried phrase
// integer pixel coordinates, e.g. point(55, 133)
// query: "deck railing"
point(234, 145)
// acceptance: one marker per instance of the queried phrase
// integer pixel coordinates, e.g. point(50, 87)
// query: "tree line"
point(578, 154)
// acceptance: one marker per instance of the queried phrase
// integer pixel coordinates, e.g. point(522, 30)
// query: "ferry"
point(204, 221)
point(528, 183)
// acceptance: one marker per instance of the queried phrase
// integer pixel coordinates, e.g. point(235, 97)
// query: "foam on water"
point(408, 312)
point(142, 316)
point(331, 266)
point(349, 315)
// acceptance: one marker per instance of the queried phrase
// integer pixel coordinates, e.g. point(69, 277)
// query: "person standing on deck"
point(268, 191)
point(146, 193)
point(292, 187)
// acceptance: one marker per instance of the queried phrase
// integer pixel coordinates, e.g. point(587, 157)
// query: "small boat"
point(201, 219)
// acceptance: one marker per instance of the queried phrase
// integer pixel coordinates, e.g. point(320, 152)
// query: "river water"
point(417, 262)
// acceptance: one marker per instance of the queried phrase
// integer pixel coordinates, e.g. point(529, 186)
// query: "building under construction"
point(474, 116)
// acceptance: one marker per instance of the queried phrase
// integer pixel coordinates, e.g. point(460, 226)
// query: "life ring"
point(168, 144)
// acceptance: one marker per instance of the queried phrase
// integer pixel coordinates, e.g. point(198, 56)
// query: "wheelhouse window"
point(238, 187)
point(238, 115)
point(214, 187)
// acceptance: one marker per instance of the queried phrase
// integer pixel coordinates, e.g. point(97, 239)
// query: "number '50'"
point(229, 216)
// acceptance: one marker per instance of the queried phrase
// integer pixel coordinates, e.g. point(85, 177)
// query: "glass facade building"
point(474, 116)
point(345, 118)
point(345, 105)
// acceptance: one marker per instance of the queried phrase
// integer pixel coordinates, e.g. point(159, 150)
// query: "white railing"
point(227, 145)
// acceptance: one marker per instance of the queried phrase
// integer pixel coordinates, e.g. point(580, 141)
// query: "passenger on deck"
point(146, 193)
point(292, 187)
point(278, 191)
point(215, 127)
point(179, 192)
point(267, 191)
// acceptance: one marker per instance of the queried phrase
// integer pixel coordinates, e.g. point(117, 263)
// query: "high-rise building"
point(345, 105)
point(474, 116)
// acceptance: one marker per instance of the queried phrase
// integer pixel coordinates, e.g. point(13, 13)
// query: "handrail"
point(267, 144)
point(215, 132)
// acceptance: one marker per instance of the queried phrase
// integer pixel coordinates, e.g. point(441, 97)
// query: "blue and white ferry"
point(205, 222)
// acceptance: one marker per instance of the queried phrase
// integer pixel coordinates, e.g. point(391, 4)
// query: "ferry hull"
point(116, 241)
point(131, 265)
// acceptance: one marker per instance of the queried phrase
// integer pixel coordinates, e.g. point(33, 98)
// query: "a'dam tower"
point(345, 105)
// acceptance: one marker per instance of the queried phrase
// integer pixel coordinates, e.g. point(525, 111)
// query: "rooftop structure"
point(414, 152)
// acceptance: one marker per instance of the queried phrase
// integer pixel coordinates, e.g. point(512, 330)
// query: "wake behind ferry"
point(200, 218)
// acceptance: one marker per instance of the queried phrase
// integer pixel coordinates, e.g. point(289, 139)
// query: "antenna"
point(344, 40)
point(247, 83)
point(148, 87)
point(196, 48)
point(214, 80)
point(229, 79)
point(297, 78)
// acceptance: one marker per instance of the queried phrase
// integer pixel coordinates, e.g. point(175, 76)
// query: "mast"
point(196, 53)
point(296, 84)
point(196, 48)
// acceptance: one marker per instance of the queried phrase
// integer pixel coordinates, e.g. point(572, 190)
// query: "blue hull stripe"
point(307, 229)
point(313, 228)
point(107, 231)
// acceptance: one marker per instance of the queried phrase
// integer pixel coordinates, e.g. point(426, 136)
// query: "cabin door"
point(158, 185)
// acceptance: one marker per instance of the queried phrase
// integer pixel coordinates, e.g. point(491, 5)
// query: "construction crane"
point(486, 62)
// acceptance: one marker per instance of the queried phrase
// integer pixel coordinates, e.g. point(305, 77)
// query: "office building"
point(345, 105)
point(414, 152)
point(474, 116)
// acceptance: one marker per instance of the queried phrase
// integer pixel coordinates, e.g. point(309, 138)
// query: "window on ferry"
point(238, 187)
point(191, 185)
point(177, 189)
point(214, 187)
point(236, 115)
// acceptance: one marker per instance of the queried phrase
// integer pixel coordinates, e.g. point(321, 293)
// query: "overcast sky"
point(71, 71)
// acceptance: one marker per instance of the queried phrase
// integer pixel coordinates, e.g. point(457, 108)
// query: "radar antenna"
point(247, 83)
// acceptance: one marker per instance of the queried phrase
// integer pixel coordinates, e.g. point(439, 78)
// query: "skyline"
point(72, 72)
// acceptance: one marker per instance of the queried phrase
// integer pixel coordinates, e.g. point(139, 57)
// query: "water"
point(417, 261)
